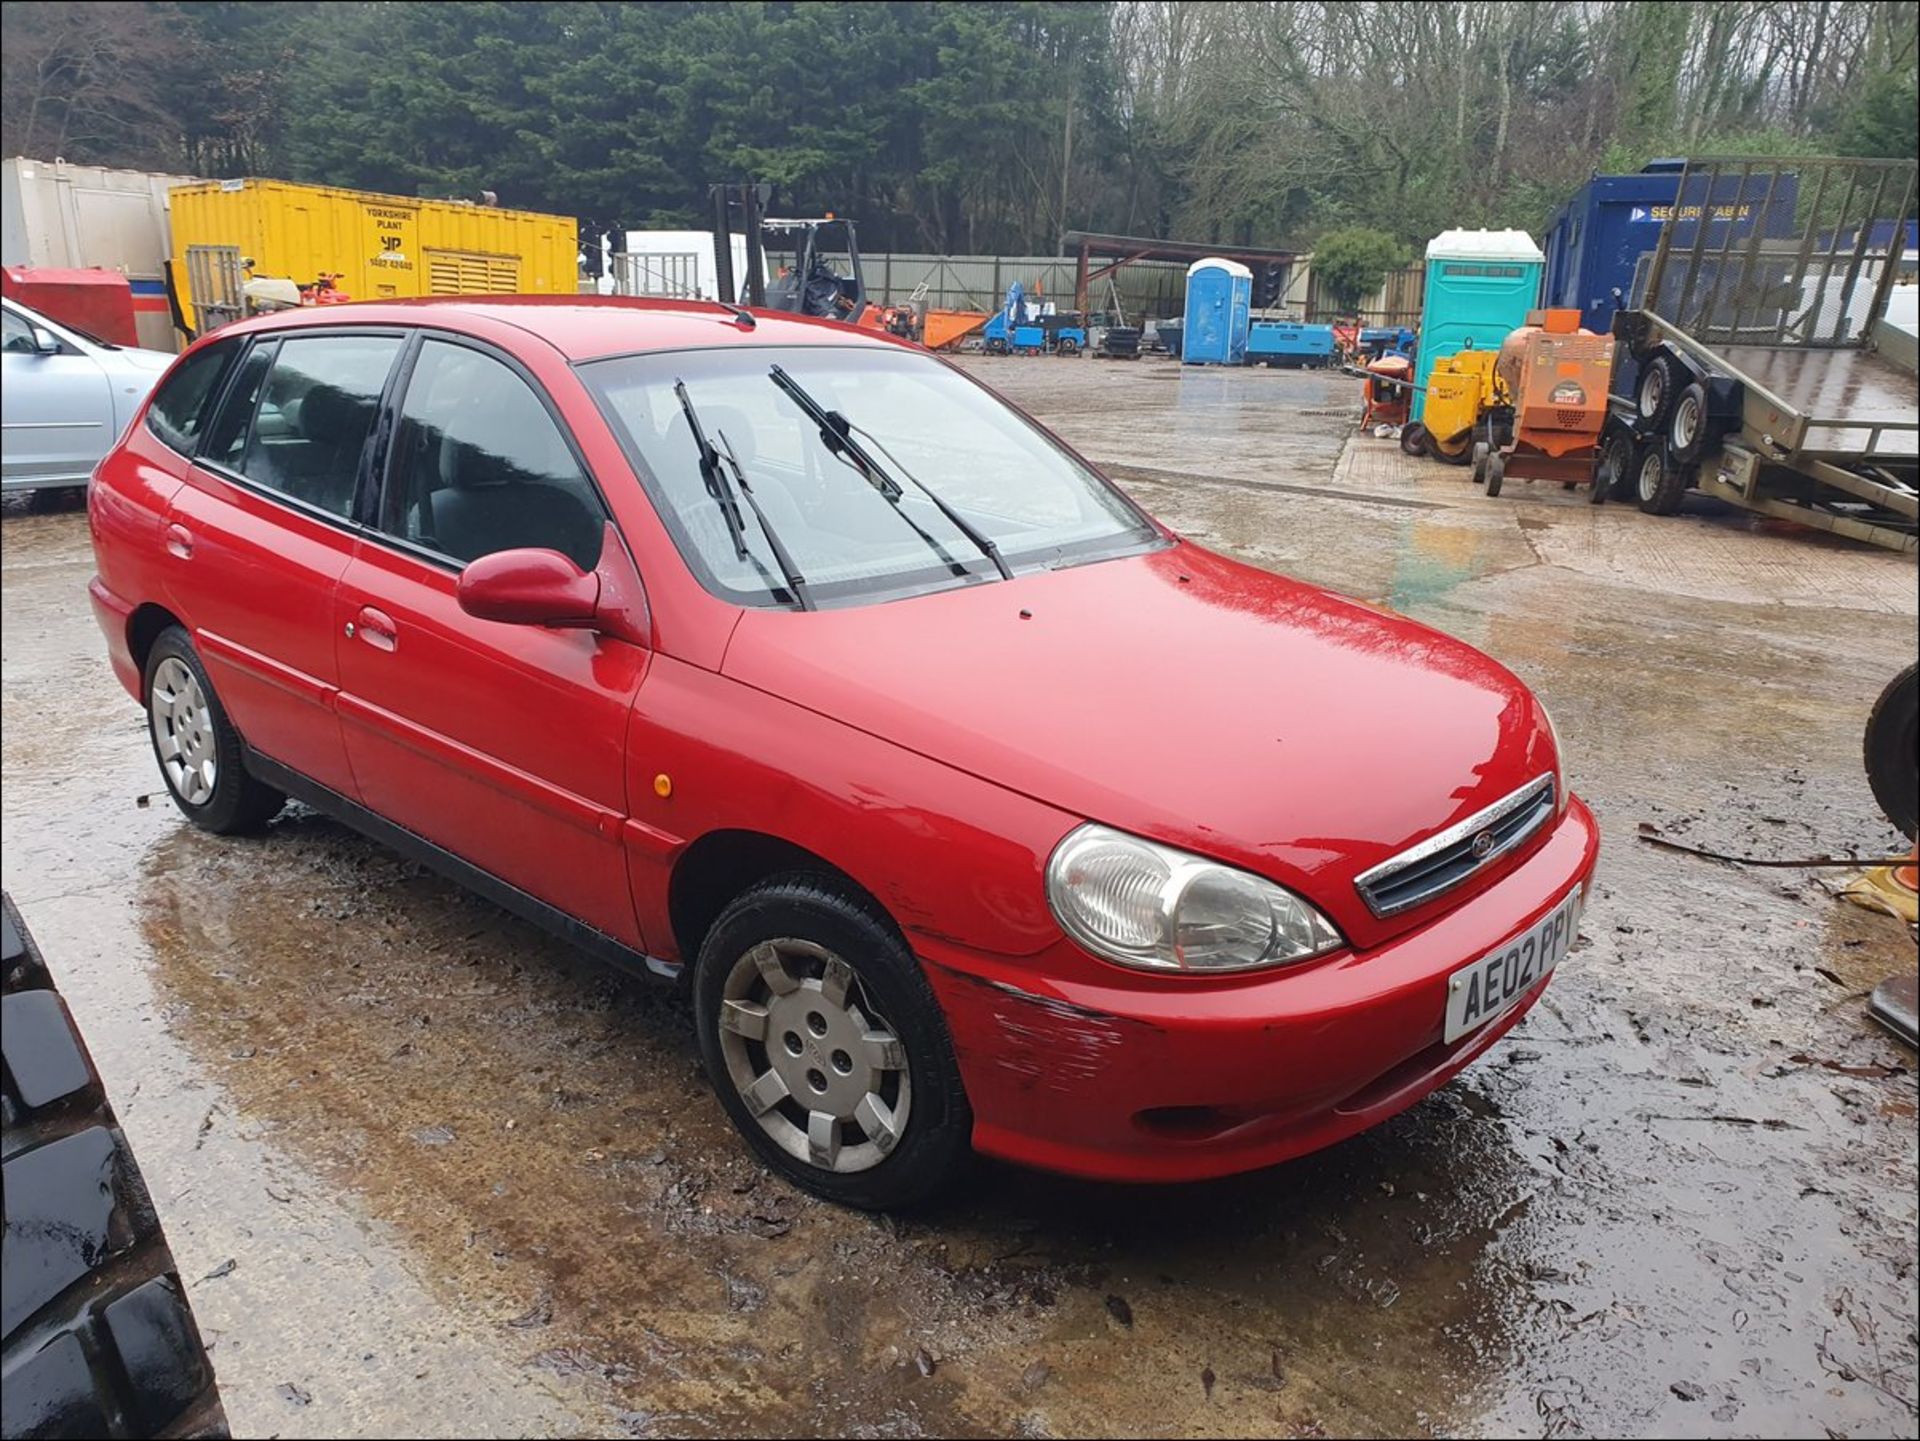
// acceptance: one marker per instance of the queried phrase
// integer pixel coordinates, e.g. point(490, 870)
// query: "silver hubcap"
point(1653, 392)
point(1686, 420)
point(183, 732)
point(817, 1067)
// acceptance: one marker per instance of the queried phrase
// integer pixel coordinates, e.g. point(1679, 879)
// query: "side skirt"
point(486, 884)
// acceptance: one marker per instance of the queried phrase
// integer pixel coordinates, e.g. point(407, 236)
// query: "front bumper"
point(1182, 1079)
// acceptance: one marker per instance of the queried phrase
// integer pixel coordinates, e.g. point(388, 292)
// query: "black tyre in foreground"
point(827, 1046)
point(1893, 750)
point(99, 1339)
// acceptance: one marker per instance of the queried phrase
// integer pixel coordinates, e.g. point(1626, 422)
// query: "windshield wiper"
point(726, 496)
point(836, 434)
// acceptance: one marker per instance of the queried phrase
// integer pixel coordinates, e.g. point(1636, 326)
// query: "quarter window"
point(310, 424)
point(19, 335)
point(479, 465)
point(180, 405)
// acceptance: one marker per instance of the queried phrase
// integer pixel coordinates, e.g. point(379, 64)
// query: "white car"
point(67, 397)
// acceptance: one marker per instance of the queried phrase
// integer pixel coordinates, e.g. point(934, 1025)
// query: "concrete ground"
point(470, 1184)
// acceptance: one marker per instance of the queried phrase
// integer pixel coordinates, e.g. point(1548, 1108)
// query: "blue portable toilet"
point(1219, 310)
point(1480, 286)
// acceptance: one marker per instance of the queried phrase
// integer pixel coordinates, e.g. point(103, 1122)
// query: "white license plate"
point(1490, 986)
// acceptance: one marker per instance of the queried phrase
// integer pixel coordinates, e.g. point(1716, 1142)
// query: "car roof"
point(587, 327)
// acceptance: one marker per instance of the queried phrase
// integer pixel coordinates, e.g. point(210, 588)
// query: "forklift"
point(811, 285)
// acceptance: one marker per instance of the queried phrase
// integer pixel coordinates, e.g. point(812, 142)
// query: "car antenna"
point(742, 316)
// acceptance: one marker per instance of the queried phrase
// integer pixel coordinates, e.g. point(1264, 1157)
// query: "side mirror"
point(45, 342)
point(530, 587)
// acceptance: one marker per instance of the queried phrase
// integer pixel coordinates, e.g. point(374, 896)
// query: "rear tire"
point(200, 754)
point(1660, 481)
point(1413, 438)
point(1496, 473)
point(49, 499)
point(1481, 450)
point(1892, 750)
point(891, 1115)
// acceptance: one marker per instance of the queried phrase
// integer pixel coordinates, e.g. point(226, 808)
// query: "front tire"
point(199, 752)
point(827, 1047)
point(1687, 427)
point(1892, 742)
point(1496, 473)
point(1661, 380)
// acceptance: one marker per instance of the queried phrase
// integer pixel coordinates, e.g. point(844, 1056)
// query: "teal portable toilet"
point(1219, 310)
point(1480, 286)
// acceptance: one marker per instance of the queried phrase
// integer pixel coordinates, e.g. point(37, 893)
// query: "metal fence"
point(1147, 289)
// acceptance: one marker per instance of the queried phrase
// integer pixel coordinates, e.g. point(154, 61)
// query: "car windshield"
point(849, 535)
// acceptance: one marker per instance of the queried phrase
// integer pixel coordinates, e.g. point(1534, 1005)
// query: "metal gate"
point(214, 280)
point(675, 275)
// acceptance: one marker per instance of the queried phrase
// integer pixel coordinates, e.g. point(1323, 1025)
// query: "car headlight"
point(1141, 904)
point(1559, 759)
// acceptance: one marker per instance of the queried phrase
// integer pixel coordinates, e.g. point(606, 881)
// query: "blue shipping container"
point(1219, 307)
point(1597, 238)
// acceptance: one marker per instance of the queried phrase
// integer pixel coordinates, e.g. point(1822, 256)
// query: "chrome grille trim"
point(1445, 860)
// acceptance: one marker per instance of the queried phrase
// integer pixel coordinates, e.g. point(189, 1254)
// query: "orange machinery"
point(1389, 391)
point(1557, 376)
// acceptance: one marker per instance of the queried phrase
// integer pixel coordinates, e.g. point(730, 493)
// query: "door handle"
point(180, 542)
point(376, 628)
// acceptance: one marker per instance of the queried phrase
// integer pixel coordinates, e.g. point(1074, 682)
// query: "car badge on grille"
point(1482, 844)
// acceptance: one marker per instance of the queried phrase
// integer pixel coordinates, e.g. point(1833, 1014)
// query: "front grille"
point(1442, 862)
point(1571, 419)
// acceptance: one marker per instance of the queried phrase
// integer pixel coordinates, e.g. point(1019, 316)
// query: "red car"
point(980, 811)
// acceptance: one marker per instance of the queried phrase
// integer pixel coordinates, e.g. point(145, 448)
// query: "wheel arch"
point(144, 627)
point(722, 863)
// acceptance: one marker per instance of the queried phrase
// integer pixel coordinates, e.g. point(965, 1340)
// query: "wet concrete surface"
point(473, 1184)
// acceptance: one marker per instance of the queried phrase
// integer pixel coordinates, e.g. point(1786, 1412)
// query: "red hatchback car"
point(981, 811)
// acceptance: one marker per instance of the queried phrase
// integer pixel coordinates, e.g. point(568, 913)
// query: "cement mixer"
point(1555, 375)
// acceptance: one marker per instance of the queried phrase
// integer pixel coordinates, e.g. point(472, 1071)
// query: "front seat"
point(486, 503)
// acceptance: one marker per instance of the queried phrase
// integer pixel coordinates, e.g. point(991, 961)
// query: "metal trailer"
point(72, 217)
point(1771, 374)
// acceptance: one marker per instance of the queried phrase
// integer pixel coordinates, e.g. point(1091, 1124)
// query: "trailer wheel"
point(1069, 346)
point(1616, 469)
point(1660, 380)
point(1687, 427)
point(1413, 438)
point(1892, 742)
point(1496, 473)
point(1660, 480)
point(1481, 450)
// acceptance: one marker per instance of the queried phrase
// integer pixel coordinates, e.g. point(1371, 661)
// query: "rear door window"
point(307, 429)
point(480, 465)
point(181, 404)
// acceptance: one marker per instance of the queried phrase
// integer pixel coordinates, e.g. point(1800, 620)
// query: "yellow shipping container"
point(379, 246)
